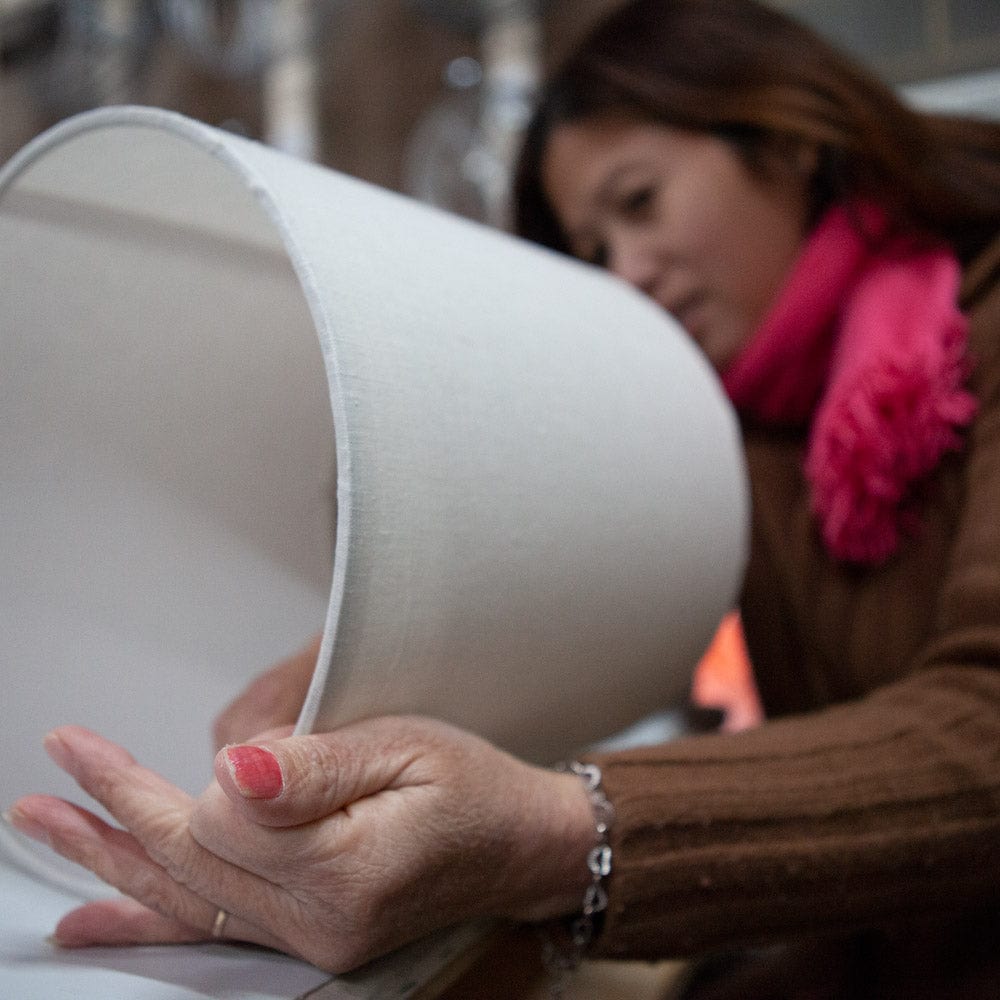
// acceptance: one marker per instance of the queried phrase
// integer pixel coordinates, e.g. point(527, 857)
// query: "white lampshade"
point(245, 399)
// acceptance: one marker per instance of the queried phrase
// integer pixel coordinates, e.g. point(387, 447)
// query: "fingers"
point(119, 859)
point(154, 811)
point(155, 860)
point(122, 921)
point(112, 854)
point(300, 779)
point(128, 922)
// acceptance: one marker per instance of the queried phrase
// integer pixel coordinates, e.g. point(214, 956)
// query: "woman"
point(834, 255)
point(809, 232)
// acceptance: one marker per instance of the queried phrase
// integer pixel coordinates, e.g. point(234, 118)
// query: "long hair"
point(768, 84)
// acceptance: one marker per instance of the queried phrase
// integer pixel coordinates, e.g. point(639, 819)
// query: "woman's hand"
point(335, 847)
point(271, 700)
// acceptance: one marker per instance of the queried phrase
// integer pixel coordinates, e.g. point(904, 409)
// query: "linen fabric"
point(246, 398)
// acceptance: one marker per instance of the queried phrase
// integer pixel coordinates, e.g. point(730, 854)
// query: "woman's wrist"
point(564, 942)
point(555, 872)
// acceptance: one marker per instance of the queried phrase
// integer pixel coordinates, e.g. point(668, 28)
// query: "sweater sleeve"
point(843, 819)
point(881, 807)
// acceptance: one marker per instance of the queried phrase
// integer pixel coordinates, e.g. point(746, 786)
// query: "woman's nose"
point(632, 260)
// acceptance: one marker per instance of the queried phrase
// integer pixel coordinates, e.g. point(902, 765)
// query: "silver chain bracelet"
point(564, 943)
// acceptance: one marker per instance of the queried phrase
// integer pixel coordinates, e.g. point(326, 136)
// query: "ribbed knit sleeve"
point(811, 824)
point(876, 795)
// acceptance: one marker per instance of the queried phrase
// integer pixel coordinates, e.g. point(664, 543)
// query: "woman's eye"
point(637, 202)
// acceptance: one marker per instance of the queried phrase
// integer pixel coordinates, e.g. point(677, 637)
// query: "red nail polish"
point(255, 771)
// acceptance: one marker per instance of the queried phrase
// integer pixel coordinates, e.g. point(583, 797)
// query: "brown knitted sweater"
point(870, 800)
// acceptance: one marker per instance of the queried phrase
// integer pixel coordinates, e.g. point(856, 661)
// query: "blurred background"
point(423, 96)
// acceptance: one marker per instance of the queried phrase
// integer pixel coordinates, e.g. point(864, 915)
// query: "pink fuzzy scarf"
point(867, 337)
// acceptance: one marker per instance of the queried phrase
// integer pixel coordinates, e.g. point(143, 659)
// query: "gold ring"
point(219, 926)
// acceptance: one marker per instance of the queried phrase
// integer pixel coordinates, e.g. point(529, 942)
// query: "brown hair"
point(770, 85)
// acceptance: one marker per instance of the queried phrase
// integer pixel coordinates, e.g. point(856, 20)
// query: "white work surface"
point(32, 968)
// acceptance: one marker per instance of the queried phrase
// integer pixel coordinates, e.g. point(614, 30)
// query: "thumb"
point(299, 779)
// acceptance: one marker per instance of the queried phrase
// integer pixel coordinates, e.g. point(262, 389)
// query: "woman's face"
point(678, 215)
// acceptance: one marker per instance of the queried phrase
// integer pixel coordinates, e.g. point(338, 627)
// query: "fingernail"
point(255, 770)
point(25, 824)
point(56, 749)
